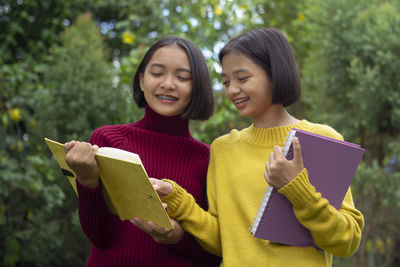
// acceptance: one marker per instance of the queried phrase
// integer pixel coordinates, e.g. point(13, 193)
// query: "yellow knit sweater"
point(235, 189)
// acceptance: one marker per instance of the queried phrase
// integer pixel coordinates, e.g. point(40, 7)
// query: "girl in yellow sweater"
point(261, 78)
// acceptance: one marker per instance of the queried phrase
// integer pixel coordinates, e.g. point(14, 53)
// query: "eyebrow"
point(163, 66)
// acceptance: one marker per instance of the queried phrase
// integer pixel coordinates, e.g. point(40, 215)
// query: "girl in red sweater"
point(172, 83)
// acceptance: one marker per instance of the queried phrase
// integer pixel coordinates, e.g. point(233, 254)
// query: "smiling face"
point(167, 81)
point(247, 85)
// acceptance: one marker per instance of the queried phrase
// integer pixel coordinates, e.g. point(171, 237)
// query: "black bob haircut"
point(270, 49)
point(201, 105)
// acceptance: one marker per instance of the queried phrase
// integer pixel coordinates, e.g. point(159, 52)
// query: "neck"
point(175, 125)
point(275, 116)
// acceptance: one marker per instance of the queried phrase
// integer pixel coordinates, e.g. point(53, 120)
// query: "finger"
point(266, 177)
point(165, 205)
point(297, 156)
point(77, 147)
point(154, 181)
point(69, 145)
point(271, 157)
point(163, 188)
point(142, 224)
point(93, 149)
point(278, 154)
point(135, 223)
point(85, 149)
point(160, 230)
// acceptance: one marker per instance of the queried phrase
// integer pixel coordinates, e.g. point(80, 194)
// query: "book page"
point(112, 152)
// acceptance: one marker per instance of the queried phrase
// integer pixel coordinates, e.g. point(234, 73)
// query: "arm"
point(203, 225)
point(336, 231)
point(178, 240)
point(97, 223)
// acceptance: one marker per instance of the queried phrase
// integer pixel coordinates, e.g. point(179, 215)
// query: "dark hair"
point(201, 105)
point(270, 49)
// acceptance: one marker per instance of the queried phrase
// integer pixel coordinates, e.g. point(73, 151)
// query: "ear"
point(141, 81)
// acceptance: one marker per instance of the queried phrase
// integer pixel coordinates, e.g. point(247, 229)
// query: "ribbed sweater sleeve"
point(167, 150)
point(195, 220)
point(343, 226)
point(97, 223)
point(201, 224)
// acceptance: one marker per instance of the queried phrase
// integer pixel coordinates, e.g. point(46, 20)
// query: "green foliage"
point(29, 27)
point(352, 84)
point(79, 95)
point(29, 198)
point(65, 85)
point(65, 97)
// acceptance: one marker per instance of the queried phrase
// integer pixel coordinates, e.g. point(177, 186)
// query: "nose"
point(168, 82)
point(231, 90)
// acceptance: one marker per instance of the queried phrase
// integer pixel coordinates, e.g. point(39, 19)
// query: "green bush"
point(352, 83)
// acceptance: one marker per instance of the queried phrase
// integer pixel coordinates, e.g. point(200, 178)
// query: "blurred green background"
point(66, 68)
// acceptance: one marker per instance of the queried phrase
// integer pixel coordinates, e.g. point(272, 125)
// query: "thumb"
point(163, 188)
point(297, 156)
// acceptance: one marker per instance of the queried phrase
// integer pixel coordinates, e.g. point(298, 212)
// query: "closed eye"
point(156, 74)
point(184, 79)
point(243, 79)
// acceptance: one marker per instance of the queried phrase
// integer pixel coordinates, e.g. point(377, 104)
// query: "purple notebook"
point(331, 165)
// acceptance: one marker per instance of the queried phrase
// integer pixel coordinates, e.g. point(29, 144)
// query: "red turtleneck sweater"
point(167, 150)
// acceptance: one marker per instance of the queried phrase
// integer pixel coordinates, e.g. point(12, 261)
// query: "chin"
point(244, 113)
point(168, 113)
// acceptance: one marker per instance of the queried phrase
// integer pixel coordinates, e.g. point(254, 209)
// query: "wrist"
point(89, 183)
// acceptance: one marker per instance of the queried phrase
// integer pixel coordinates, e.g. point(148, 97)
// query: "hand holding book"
point(127, 189)
point(158, 233)
point(162, 188)
point(279, 170)
point(331, 165)
point(80, 157)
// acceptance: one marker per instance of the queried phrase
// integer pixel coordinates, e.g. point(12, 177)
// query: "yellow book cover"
point(128, 191)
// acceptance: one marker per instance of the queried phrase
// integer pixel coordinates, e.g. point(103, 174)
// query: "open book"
point(128, 191)
point(331, 165)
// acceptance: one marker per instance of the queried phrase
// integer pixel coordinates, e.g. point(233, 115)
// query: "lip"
point(240, 102)
point(166, 98)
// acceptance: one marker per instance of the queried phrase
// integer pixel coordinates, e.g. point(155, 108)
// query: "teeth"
point(167, 97)
point(241, 100)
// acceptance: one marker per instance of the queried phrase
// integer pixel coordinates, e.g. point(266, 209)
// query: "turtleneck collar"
point(155, 122)
point(265, 137)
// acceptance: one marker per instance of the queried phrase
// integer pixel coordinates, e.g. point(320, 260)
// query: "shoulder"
point(325, 130)
point(104, 135)
point(223, 142)
point(201, 147)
